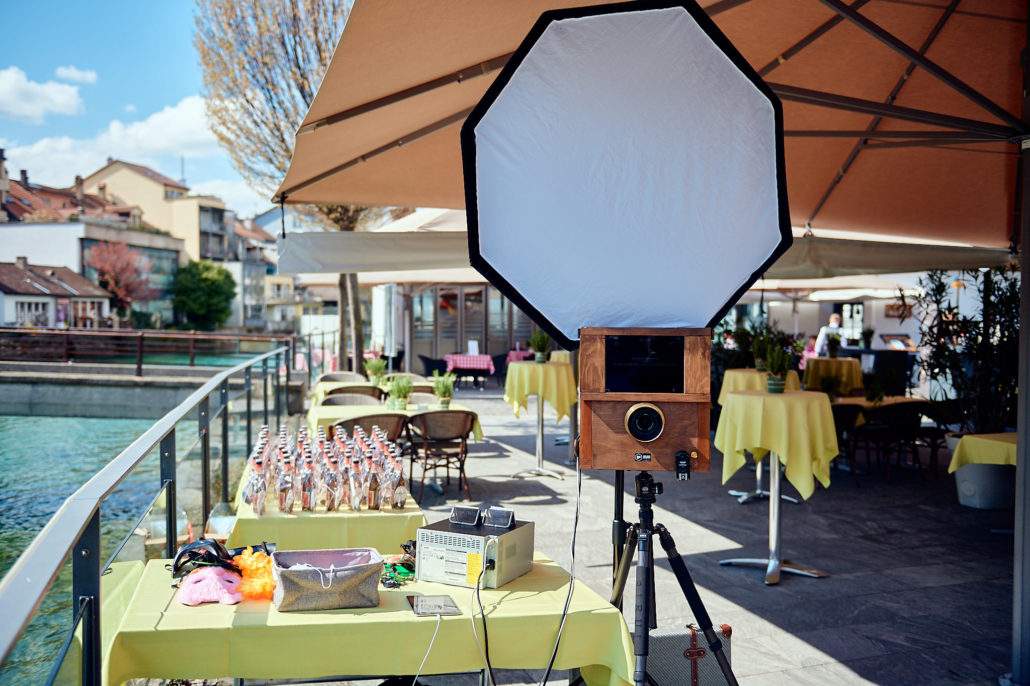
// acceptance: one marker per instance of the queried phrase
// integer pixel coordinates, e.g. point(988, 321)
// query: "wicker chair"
point(395, 425)
point(415, 378)
point(421, 398)
point(370, 391)
point(349, 399)
point(845, 416)
point(440, 439)
point(893, 428)
point(351, 377)
point(422, 388)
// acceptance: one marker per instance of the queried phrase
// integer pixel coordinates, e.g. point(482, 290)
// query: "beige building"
point(280, 307)
point(199, 220)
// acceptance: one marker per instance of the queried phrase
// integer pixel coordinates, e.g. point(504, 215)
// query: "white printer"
point(456, 550)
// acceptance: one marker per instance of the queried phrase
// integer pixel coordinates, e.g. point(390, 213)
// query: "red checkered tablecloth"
point(456, 361)
point(519, 355)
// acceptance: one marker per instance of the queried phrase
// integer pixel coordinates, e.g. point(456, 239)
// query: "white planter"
point(986, 486)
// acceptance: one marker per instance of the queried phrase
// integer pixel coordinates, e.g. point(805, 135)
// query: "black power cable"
point(482, 614)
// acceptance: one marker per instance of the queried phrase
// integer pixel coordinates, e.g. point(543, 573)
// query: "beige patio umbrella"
point(901, 117)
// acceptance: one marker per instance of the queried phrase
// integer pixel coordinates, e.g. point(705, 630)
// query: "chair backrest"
point(422, 399)
point(904, 417)
point(349, 399)
point(422, 388)
point(415, 378)
point(351, 377)
point(443, 425)
point(500, 362)
point(370, 391)
point(392, 424)
point(844, 416)
point(429, 365)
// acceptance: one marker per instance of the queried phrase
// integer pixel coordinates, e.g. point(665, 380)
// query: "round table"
point(752, 380)
point(997, 449)
point(848, 371)
point(797, 429)
point(550, 381)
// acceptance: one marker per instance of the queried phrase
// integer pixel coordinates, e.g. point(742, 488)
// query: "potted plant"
point(375, 369)
point(830, 385)
point(867, 338)
point(443, 387)
point(539, 342)
point(400, 389)
point(778, 362)
point(760, 349)
point(833, 344)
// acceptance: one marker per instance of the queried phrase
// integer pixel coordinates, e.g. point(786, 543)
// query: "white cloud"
point(179, 129)
point(71, 73)
point(130, 108)
point(237, 196)
point(29, 101)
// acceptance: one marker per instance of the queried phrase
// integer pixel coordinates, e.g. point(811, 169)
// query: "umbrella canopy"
point(898, 115)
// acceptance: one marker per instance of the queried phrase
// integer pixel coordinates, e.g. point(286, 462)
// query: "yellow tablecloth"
point(985, 449)
point(160, 638)
point(752, 380)
point(560, 356)
point(797, 426)
point(327, 415)
point(872, 404)
point(848, 371)
point(383, 530)
point(553, 381)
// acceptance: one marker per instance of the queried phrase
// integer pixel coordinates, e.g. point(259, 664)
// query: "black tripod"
point(639, 536)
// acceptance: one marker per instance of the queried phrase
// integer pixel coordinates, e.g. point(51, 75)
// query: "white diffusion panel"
point(626, 175)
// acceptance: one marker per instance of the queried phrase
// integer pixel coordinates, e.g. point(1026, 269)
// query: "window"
point(851, 320)
point(32, 313)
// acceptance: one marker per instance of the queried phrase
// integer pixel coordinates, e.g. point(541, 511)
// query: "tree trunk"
point(357, 329)
point(341, 336)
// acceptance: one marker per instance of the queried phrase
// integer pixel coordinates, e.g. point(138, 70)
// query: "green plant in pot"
point(375, 369)
point(778, 362)
point(867, 338)
point(443, 387)
point(830, 385)
point(760, 347)
point(833, 344)
point(539, 342)
point(400, 389)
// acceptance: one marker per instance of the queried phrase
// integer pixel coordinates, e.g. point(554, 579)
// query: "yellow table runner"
point(985, 449)
point(752, 380)
point(322, 388)
point(553, 381)
point(327, 415)
point(848, 371)
point(797, 426)
point(160, 638)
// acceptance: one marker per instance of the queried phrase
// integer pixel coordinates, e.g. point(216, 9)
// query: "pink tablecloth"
point(458, 361)
point(519, 355)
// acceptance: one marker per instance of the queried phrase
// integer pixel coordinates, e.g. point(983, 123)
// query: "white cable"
point(572, 574)
point(439, 618)
point(472, 616)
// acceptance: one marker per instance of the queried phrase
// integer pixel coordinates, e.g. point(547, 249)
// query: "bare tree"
point(262, 62)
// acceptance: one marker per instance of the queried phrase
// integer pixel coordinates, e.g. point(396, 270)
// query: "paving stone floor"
point(920, 590)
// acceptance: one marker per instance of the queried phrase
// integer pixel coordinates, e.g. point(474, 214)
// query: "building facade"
point(49, 296)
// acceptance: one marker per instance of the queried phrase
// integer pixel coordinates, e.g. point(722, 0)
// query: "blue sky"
point(83, 81)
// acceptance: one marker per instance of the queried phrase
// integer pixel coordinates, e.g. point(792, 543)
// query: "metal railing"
point(75, 527)
point(325, 341)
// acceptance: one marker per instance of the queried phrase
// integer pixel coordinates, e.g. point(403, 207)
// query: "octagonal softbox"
point(625, 169)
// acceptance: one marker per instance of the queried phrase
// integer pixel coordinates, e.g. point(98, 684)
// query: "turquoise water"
point(42, 461)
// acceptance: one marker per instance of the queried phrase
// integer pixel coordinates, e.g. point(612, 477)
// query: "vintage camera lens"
point(644, 422)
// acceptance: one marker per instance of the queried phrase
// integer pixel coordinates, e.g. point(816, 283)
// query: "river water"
point(42, 461)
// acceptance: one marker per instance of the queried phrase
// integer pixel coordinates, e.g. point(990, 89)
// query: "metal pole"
point(286, 393)
point(139, 355)
point(203, 430)
point(250, 399)
point(224, 392)
point(86, 589)
point(278, 407)
point(772, 571)
point(193, 346)
point(311, 368)
point(264, 388)
point(168, 479)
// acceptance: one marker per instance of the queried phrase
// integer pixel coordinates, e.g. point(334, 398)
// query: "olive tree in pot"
point(539, 342)
point(760, 348)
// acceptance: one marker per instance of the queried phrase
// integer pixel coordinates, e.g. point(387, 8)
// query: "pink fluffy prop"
point(210, 585)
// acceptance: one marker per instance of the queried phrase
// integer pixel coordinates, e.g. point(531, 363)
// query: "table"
point(847, 369)
point(752, 380)
point(327, 415)
point(797, 429)
point(519, 355)
point(561, 356)
point(472, 362)
point(873, 404)
point(160, 638)
point(550, 381)
point(322, 388)
point(383, 530)
point(997, 449)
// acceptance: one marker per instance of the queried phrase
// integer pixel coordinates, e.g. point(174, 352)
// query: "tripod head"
point(648, 489)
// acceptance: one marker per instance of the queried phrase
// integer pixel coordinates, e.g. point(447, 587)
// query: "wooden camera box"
point(644, 398)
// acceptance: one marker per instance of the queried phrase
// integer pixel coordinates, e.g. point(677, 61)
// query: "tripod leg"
point(642, 611)
point(622, 572)
point(704, 622)
point(619, 528)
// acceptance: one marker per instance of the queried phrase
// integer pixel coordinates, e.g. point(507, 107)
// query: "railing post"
point(286, 394)
point(204, 431)
point(193, 346)
point(246, 385)
point(278, 406)
point(168, 479)
point(311, 368)
point(225, 440)
point(86, 589)
point(264, 387)
point(139, 354)
point(66, 344)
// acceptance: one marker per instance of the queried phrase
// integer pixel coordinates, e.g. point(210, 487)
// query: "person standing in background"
point(833, 327)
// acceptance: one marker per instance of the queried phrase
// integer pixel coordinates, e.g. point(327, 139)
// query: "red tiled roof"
point(22, 201)
point(40, 280)
point(145, 171)
point(252, 231)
